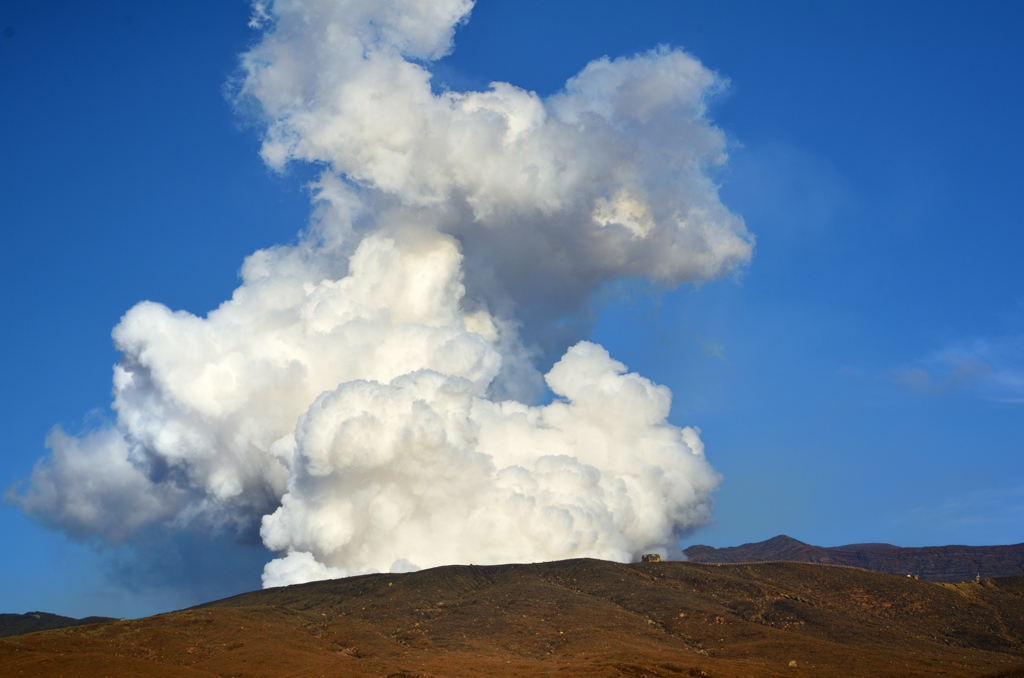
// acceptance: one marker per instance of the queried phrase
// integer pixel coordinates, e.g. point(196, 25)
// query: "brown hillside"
point(570, 618)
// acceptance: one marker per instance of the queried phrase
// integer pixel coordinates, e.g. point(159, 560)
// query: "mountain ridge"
point(30, 622)
point(946, 564)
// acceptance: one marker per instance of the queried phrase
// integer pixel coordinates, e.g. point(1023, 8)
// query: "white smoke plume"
point(369, 397)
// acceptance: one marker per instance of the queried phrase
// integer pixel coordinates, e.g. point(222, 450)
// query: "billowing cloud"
point(369, 397)
point(549, 198)
point(422, 471)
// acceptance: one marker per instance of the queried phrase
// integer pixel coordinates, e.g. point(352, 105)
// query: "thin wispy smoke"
point(369, 397)
point(988, 367)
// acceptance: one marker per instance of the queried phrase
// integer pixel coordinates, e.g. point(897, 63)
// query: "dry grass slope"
point(569, 618)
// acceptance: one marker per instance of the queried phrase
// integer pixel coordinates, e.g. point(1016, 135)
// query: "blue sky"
point(862, 380)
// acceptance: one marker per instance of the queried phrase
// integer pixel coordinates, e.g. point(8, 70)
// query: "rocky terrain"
point(932, 563)
point(568, 618)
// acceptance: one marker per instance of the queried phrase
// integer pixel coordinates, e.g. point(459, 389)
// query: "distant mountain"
point(30, 622)
point(931, 563)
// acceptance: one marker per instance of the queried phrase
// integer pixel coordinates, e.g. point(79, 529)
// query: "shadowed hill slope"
point(949, 564)
point(30, 622)
point(569, 618)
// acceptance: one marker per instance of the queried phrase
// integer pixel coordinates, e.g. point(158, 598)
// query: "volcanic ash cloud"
point(368, 398)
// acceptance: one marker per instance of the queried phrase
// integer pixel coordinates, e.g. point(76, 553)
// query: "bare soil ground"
point(569, 618)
